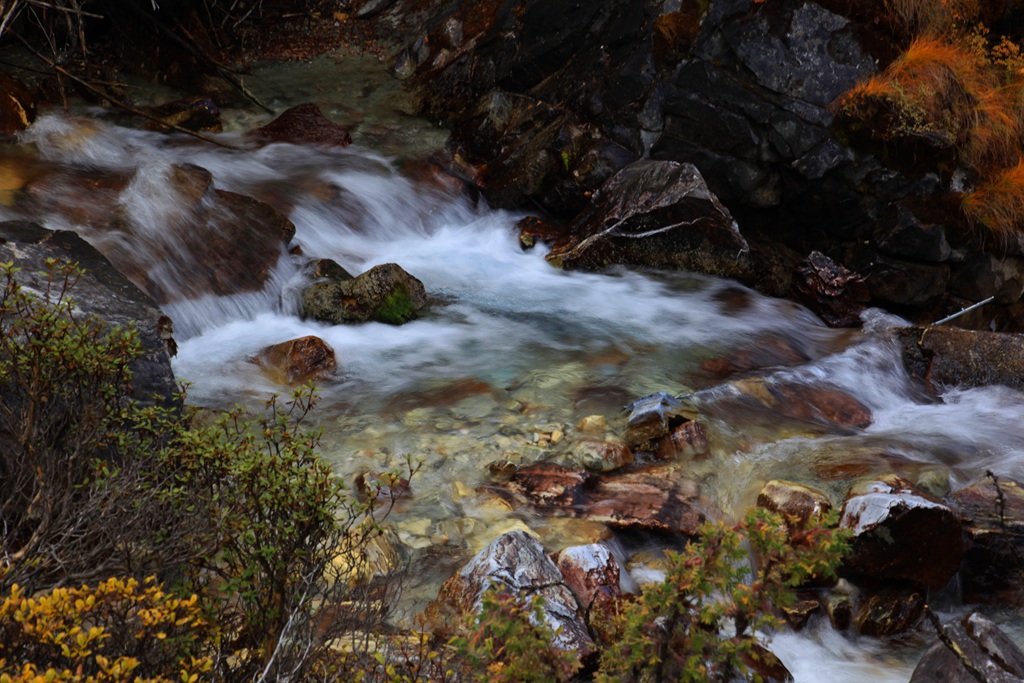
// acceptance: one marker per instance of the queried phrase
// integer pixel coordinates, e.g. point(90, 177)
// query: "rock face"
point(516, 562)
point(299, 360)
point(659, 214)
point(385, 293)
point(992, 655)
point(900, 534)
point(953, 357)
point(602, 456)
point(993, 566)
point(652, 500)
point(103, 292)
point(589, 570)
point(17, 106)
point(550, 99)
point(889, 613)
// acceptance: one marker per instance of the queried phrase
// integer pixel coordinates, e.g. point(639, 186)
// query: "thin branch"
point(128, 108)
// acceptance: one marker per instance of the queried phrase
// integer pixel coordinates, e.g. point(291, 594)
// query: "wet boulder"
point(385, 293)
point(890, 612)
point(950, 356)
point(686, 440)
point(993, 566)
point(306, 359)
point(104, 292)
point(515, 562)
point(983, 652)
point(202, 241)
point(778, 399)
point(304, 124)
point(654, 500)
point(796, 502)
point(658, 214)
point(899, 533)
point(589, 570)
point(769, 351)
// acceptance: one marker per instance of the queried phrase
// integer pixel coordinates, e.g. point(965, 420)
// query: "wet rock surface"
point(385, 293)
point(304, 123)
point(17, 106)
point(659, 214)
point(901, 534)
point(589, 570)
point(993, 566)
point(104, 292)
point(649, 500)
point(830, 290)
point(948, 356)
point(794, 501)
point(981, 645)
point(889, 613)
point(297, 361)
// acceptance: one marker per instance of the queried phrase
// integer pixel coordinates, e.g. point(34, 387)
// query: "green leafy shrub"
point(701, 623)
point(239, 511)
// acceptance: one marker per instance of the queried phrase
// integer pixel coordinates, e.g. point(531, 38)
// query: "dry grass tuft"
point(997, 203)
point(933, 16)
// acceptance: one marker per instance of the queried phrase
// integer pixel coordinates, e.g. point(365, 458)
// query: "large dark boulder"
point(102, 291)
point(982, 653)
point(900, 533)
point(658, 214)
point(993, 566)
point(944, 356)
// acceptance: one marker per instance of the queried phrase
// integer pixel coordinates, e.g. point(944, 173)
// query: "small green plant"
point(702, 623)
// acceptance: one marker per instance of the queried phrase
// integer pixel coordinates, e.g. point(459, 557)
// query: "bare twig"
point(1000, 500)
point(120, 105)
point(944, 636)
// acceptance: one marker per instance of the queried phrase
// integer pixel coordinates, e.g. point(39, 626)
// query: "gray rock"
point(991, 654)
point(104, 292)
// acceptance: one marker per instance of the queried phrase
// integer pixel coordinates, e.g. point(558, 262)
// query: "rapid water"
point(512, 351)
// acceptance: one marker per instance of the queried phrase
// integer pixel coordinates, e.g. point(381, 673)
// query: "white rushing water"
point(547, 346)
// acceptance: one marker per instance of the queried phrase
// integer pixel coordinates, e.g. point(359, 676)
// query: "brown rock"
point(967, 358)
point(776, 398)
point(993, 566)
point(533, 230)
point(653, 499)
point(588, 570)
point(798, 503)
point(299, 360)
point(653, 417)
point(799, 613)
point(890, 613)
point(304, 123)
point(769, 352)
point(899, 533)
point(688, 440)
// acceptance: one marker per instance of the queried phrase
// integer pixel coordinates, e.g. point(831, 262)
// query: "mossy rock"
point(385, 293)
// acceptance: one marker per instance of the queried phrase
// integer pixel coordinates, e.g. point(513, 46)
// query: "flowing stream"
point(513, 351)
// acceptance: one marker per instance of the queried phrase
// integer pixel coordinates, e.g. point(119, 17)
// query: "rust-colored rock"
point(830, 290)
point(655, 499)
point(769, 352)
point(533, 230)
point(687, 440)
point(798, 503)
point(588, 570)
point(304, 124)
point(899, 533)
point(993, 566)
point(297, 361)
